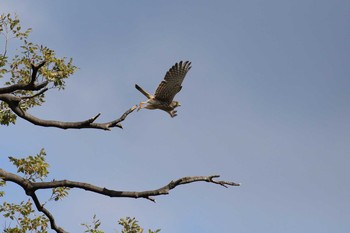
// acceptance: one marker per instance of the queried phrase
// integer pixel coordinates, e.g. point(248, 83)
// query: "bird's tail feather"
point(148, 95)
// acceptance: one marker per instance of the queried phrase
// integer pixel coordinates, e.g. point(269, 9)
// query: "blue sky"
point(266, 104)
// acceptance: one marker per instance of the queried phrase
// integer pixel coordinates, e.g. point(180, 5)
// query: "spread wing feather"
point(173, 79)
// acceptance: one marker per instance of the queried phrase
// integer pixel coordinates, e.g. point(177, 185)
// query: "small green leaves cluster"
point(6, 115)
point(94, 227)
point(25, 218)
point(130, 225)
point(10, 28)
point(9, 24)
point(2, 184)
point(59, 193)
point(55, 70)
point(33, 167)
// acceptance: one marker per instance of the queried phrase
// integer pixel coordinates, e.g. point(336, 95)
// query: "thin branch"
point(42, 209)
point(133, 194)
point(36, 94)
point(14, 103)
point(6, 44)
point(5, 34)
point(89, 123)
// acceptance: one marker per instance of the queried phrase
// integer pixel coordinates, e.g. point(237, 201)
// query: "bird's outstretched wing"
point(171, 84)
point(148, 95)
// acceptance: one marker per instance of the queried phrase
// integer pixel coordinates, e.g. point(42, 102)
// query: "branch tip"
point(36, 94)
point(151, 199)
point(95, 117)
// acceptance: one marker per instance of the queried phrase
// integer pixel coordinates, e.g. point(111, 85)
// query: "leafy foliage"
point(130, 225)
point(33, 167)
point(6, 115)
point(25, 218)
point(19, 71)
point(2, 183)
point(94, 227)
point(22, 215)
point(59, 193)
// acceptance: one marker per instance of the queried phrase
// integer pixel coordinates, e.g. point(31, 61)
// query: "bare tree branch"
point(13, 103)
point(31, 187)
point(35, 95)
point(115, 193)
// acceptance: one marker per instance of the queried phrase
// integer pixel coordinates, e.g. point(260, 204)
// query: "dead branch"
point(115, 193)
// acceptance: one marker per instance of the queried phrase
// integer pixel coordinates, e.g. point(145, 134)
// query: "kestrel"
point(167, 89)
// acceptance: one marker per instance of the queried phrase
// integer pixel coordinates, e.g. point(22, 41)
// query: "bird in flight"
point(167, 89)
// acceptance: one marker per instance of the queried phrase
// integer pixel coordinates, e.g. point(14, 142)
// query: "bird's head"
point(175, 104)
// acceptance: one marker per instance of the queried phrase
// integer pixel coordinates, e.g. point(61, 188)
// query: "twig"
point(36, 94)
point(42, 209)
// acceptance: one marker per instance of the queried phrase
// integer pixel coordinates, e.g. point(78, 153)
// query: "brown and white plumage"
point(167, 89)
